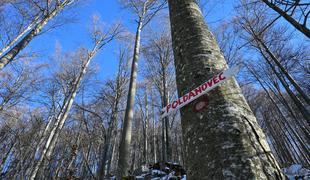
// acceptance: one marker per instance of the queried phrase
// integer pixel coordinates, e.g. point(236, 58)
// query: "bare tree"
point(295, 12)
point(115, 95)
point(253, 27)
point(159, 69)
point(73, 77)
point(18, 83)
point(144, 10)
point(221, 139)
point(47, 11)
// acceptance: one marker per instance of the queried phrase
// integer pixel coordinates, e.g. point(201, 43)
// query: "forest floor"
point(157, 171)
point(174, 171)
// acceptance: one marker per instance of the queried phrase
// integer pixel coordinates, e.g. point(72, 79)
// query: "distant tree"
point(18, 84)
point(159, 69)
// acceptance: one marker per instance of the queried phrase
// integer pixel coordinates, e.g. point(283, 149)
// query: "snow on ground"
point(296, 171)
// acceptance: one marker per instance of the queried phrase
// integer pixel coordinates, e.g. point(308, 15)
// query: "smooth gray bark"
point(224, 140)
point(124, 149)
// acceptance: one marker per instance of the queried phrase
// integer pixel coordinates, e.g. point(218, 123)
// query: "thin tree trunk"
point(285, 103)
point(3, 162)
point(62, 116)
point(124, 149)
point(38, 147)
point(111, 152)
point(167, 150)
point(154, 131)
point(108, 143)
point(284, 71)
point(224, 140)
point(163, 142)
point(284, 126)
point(300, 27)
point(297, 102)
point(146, 121)
point(10, 55)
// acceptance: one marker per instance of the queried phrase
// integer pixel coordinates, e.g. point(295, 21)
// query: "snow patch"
point(295, 171)
point(228, 173)
point(228, 145)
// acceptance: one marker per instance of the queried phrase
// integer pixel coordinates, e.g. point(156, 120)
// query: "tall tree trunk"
point(62, 116)
point(224, 140)
point(285, 128)
point(154, 131)
point(146, 121)
point(6, 156)
point(283, 70)
point(10, 55)
point(163, 142)
point(124, 149)
point(111, 152)
point(108, 144)
point(167, 150)
point(300, 27)
point(303, 110)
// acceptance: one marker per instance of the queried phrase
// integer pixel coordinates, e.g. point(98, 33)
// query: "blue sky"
point(73, 35)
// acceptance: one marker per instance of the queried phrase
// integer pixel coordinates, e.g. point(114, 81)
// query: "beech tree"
point(117, 88)
point(222, 140)
point(144, 10)
point(73, 77)
point(272, 55)
point(77, 113)
point(294, 12)
point(46, 11)
point(159, 69)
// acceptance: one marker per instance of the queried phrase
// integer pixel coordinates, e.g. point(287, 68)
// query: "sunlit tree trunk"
point(224, 140)
point(10, 54)
point(20, 35)
point(124, 149)
point(59, 123)
point(167, 150)
point(154, 131)
point(111, 153)
point(298, 103)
